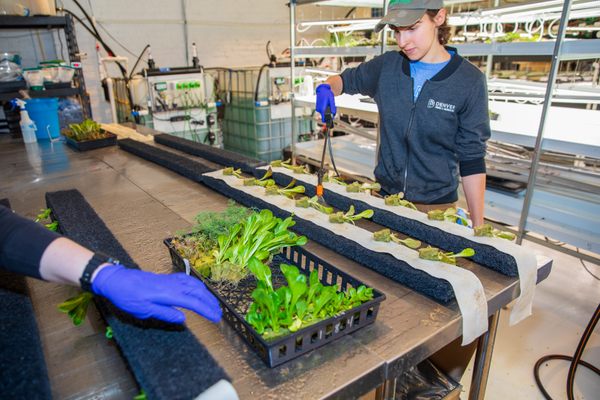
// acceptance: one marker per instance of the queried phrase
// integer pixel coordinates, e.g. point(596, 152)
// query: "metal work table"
point(142, 204)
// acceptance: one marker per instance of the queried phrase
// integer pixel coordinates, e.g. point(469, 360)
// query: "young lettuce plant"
point(44, 215)
point(340, 217)
point(385, 235)
point(398, 200)
point(261, 235)
point(297, 169)
point(334, 179)
point(450, 215)
point(230, 171)
point(288, 191)
point(489, 231)
point(357, 187)
point(76, 307)
point(306, 202)
point(264, 181)
point(435, 254)
point(299, 304)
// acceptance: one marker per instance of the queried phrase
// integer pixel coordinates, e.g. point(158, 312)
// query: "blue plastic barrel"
point(44, 112)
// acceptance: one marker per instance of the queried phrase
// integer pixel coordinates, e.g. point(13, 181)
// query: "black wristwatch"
point(96, 260)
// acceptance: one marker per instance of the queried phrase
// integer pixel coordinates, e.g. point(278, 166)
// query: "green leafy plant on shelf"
point(276, 312)
point(450, 215)
point(435, 254)
point(349, 216)
point(397, 200)
point(487, 230)
point(87, 130)
point(385, 235)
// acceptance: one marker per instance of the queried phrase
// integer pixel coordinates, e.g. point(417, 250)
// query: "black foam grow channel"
point(23, 368)
point(385, 264)
point(167, 360)
point(485, 255)
point(223, 157)
point(191, 169)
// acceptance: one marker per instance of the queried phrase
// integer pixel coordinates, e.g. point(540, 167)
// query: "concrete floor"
point(563, 306)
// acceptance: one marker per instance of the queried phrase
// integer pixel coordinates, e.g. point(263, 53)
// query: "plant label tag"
point(187, 266)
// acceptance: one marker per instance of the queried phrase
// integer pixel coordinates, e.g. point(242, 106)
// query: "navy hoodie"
point(424, 143)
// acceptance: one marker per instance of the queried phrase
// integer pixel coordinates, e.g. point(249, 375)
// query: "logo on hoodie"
point(438, 105)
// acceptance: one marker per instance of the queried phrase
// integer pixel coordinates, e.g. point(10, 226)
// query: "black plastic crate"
point(86, 145)
point(236, 302)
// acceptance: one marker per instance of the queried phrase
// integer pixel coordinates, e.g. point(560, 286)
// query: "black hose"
point(98, 38)
point(575, 360)
point(258, 81)
point(87, 16)
point(331, 155)
point(137, 61)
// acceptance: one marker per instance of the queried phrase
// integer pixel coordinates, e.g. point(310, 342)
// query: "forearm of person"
point(63, 261)
point(336, 83)
point(474, 188)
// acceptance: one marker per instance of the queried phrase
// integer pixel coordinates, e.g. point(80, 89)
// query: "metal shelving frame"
point(560, 50)
point(57, 22)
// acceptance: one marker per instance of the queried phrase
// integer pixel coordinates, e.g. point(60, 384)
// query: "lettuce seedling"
point(264, 181)
point(300, 303)
point(288, 191)
point(297, 169)
point(261, 235)
point(76, 307)
point(43, 215)
point(489, 231)
point(230, 171)
point(385, 235)
point(340, 217)
point(435, 254)
point(357, 187)
point(280, 163)
point(305, 202)
point(334, 179)
point(398, 200)
point(449, 215)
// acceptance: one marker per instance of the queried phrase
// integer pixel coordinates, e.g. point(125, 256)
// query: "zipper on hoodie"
point(410, 122)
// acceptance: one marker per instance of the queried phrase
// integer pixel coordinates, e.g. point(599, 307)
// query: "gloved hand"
point(325, 97)
point(463, 214)
point(148, 295)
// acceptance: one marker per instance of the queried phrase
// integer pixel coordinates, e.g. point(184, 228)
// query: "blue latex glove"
point(148, 295)
point(325, 98)
point(462, 213)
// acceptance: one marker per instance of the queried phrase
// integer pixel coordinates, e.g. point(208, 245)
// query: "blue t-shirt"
point(422, 71)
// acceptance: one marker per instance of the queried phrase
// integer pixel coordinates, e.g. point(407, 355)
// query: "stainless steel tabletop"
point(142, 204)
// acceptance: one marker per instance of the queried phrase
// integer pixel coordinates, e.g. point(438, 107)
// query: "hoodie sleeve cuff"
point(472, 167)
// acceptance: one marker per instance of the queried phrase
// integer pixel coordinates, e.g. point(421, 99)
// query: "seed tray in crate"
point(237, 300)
point(85, 145)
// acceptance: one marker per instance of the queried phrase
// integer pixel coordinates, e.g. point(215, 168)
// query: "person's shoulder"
point(470, 69)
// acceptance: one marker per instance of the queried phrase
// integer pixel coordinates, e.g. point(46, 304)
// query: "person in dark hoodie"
point(29, 249)
point(433, 110)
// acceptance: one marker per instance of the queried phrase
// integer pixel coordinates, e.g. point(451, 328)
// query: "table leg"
point(483, 359)
point(387, 391)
